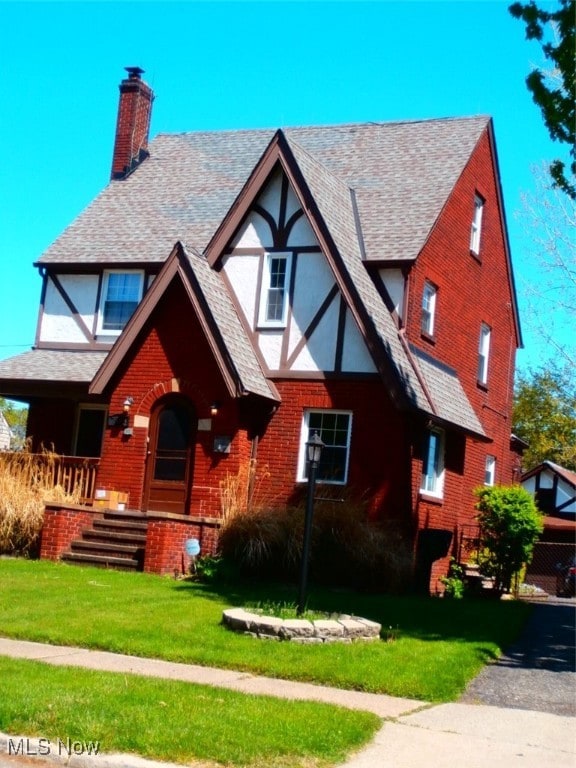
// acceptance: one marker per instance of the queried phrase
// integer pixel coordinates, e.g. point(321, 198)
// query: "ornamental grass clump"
point(346, 550)
point(27, 482)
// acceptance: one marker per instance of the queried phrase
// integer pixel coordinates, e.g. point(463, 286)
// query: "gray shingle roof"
point(450, 401)
point(402, 174)
point(52, 365)
point(238, 346)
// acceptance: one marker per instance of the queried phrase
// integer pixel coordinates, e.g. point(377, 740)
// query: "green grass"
point(173, 721)
point(439, 645)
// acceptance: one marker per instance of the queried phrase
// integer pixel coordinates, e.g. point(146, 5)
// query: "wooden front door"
point(169, 469)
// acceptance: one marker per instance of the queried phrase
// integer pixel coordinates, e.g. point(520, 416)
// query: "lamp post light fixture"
point(313, 454)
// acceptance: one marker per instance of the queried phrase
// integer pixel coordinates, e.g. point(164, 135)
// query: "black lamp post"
point(313, 453)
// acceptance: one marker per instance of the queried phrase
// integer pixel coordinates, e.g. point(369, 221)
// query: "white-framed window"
point(483, 353)
point(121, 294)
point(274, 291)
point(476, 229)
point(433, 464)
point(490, 470)
point(428, 308)
point(334, 429)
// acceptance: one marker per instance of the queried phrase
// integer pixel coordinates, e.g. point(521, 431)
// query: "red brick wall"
point(172, 355)
point(62, 524)
point(379, 466)
point(470, 291)
point(133, 122)
point(166, 542)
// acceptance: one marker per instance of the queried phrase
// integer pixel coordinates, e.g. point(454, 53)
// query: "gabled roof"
point(224, 332)
point(566, 474)
point(401, 174)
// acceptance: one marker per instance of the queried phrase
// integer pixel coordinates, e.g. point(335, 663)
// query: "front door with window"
point(169, 468)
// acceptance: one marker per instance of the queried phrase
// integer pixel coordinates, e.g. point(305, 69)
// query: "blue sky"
point(216, 65)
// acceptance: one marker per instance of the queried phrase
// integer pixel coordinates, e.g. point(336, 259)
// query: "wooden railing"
point(74, 475)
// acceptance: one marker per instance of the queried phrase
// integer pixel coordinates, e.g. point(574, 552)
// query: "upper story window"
point(334, 429)
point(476, 229)
point(483, 353)
point(121, 294)
point(490, 470)
point(274, 292)
point(433, 464)
point(428, 308)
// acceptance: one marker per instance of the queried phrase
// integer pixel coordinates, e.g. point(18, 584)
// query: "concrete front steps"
point(115, 540)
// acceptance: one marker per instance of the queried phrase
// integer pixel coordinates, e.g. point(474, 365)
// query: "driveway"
point(538, 672)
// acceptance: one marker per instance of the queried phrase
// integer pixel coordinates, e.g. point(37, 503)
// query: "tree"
point(16, 418)
point(554, 91)
point(510, 524)
point(544, 416)
point(548, 218)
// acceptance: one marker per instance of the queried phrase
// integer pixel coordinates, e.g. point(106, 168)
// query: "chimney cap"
point(134, 72)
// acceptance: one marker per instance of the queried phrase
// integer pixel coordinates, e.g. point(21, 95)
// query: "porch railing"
point(75, 476)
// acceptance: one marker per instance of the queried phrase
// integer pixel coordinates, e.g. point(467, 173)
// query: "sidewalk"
point(414, 734)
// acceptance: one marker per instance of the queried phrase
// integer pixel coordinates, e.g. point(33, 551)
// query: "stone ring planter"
point(344, 629)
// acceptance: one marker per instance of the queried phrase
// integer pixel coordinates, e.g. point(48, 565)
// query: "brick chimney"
point(133, 124)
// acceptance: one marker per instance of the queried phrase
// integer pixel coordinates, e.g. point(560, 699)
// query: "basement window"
point(121, 294)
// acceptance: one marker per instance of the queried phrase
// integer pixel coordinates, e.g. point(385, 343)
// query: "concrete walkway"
point(413, 734)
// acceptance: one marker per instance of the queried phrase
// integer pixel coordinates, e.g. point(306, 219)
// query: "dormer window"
point(274, 292)
point(476, 228)
point(121, 294)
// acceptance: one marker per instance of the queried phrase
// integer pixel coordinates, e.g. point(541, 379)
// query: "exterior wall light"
point(214, 408)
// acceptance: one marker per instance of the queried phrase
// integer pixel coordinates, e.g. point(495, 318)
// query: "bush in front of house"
point(510, 525)
point(346, 549)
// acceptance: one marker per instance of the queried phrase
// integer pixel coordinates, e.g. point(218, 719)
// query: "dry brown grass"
point(27, 482)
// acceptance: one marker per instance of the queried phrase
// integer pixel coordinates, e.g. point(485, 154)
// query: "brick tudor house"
point(230, 293)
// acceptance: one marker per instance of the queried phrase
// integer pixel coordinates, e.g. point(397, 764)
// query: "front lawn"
point(436, 646)
point(173, 721)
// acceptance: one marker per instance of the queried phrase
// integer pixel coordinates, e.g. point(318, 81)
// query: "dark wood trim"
point(296, 216)
point(285, 375)
point(340, 335)
point(245, 251)
point(268, 218)
point(291, 288)
point(97, 304)
point(332, 293)
point(71, 346)
point(282, 210)
point(72, 307)
point(41, 311)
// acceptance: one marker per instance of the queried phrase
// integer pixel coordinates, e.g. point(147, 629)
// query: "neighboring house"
point(553, 488)
point(5, 433)
point(230, 293)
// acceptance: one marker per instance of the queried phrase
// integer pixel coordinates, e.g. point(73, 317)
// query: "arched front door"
point(169, 469)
